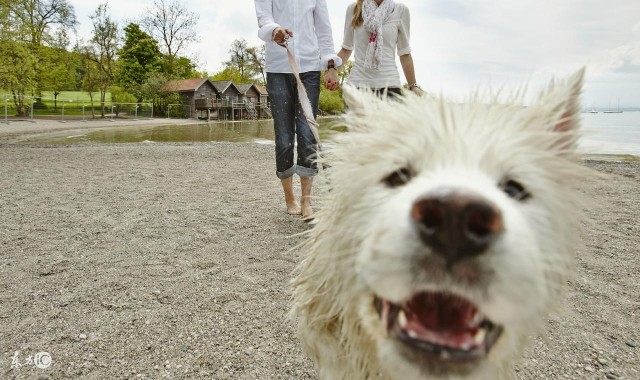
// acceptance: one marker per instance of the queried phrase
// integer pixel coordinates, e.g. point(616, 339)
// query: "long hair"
point(357, 19)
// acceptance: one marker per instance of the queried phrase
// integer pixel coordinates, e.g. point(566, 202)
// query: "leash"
point(303, 97)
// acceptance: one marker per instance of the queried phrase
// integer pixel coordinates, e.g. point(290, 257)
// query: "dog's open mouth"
point(440, 324)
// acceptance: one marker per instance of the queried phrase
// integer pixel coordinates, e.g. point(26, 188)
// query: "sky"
point(459, 46)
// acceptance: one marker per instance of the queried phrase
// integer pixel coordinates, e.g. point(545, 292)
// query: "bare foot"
point(306, 210)
point(305, 199)
point(293, 208)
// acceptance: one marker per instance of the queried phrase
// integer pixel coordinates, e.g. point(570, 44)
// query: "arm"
point(325, 35)
point(406, 61)
point(404, 51)
point(266, 23)
point(344, 54)
point(269, 29)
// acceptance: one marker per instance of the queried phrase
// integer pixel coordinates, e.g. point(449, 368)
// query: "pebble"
point(630, 343)
point(603, 361)
point(83, 336)
point(588, 368)
point(610, 376)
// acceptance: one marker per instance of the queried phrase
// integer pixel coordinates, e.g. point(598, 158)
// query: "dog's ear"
point(561, 104)
point(570, 107)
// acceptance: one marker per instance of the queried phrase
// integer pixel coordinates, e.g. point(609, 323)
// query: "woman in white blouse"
point(374, 30)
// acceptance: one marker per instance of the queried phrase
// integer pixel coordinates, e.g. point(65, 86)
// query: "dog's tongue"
point(442, 319)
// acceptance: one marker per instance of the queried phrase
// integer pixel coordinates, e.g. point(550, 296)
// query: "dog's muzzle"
point(456, 226)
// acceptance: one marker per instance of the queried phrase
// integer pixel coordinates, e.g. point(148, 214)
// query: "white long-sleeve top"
point(312, 41)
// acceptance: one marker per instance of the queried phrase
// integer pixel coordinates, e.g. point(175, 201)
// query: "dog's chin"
point(437, 333)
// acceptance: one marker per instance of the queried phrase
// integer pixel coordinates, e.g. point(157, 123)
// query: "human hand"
point(280, 35)
point(331, 80)
point(416, 90)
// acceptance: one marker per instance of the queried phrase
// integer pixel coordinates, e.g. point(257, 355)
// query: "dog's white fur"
point(363, 244)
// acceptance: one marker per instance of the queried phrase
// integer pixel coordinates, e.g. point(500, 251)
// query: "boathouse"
point(222, 100)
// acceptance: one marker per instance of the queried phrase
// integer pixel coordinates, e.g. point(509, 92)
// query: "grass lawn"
point(75, 96)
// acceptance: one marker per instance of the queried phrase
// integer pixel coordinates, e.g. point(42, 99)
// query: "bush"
point(331, 101)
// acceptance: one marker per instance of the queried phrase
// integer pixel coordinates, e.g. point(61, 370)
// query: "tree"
point(257, 62)
point(57, 65)
point(180, 68)
point(228, 73)
point(17, 72)
point(139, 57)
point(172, 25)
point(240, 58)
point(247, 61)
point(37, 16)
point(153, 90)
point(89, 71)
point(104, 47)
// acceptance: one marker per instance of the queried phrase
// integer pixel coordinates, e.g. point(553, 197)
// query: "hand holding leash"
point(281, 35)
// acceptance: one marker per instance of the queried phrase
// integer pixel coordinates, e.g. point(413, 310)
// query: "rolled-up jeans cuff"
point(299, 170)
point(287, 173)
point(306, 172)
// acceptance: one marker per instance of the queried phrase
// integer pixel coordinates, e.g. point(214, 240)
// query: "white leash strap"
point(303, 96)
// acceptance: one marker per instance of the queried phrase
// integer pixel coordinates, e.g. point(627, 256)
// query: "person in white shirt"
point(374, 30)
point(305, 28)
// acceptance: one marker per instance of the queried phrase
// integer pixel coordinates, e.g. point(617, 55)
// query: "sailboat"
point(614, 111)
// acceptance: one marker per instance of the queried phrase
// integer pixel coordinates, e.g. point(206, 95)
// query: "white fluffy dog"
point(445, 238)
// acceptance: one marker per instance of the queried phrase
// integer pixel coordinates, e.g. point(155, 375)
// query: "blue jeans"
point(290, 125)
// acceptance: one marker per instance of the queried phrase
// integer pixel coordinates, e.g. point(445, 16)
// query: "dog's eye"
point(398, 178)
point(515, 190)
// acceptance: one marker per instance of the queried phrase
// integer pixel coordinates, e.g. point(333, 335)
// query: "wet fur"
point(363, 243)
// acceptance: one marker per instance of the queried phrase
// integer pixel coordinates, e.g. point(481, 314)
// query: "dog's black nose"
point(457, 226)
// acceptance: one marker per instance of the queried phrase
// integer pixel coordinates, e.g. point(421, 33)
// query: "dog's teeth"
point(402, 319)
point(466, 346)
point(412, 334)
point(477, 319)
point(480, 335)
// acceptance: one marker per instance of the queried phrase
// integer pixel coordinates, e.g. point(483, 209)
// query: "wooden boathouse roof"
point(186, 85)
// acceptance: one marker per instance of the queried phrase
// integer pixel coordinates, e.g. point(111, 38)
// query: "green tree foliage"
point(104, 46)
point(56, 67)
point(257, 63)
point(230, 73)
point(89, 73)
point(139, 58)
point(179, 68)
point(153, 91)
point(120, 95)
point(17, 72)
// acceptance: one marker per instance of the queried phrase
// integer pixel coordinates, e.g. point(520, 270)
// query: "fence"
point(16, 108)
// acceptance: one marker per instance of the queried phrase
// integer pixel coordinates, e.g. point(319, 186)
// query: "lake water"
point(611, 133)
point(606, 133)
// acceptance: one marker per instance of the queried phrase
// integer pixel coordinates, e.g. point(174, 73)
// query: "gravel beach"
point(172, 260)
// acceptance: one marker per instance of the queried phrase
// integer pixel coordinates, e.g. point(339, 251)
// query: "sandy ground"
point(169, 261)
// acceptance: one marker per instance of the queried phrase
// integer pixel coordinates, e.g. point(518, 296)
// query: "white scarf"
point(374, 16)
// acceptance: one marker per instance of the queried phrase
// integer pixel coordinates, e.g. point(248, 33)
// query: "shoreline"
point(10, 133)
